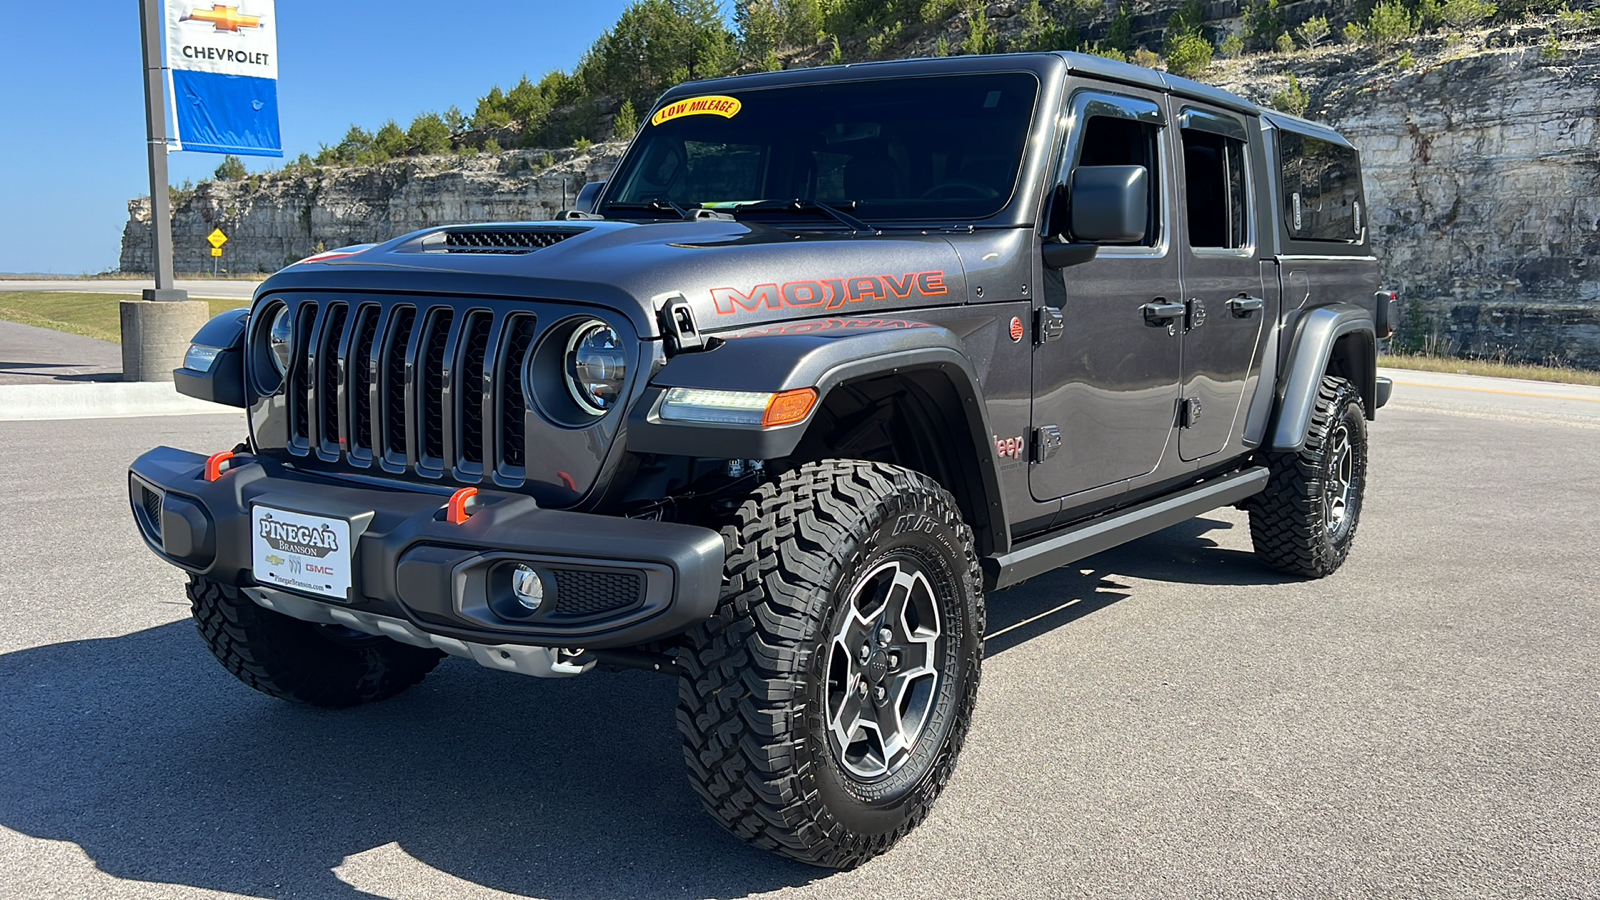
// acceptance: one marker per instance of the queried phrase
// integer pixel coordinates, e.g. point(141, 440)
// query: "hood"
point(734, 274)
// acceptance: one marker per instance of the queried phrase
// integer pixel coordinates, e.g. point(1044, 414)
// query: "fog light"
point(527, 587)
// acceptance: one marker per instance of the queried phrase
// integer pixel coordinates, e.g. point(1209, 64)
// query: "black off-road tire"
point(1292, 523)
point(755, 681)
point(300, 661)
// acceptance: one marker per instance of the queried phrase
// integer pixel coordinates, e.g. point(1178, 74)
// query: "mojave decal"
point(829, 293)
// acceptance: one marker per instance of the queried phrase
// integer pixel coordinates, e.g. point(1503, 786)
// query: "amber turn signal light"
point(789, 407)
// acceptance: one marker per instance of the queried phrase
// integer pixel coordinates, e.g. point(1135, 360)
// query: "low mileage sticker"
point(300, 552)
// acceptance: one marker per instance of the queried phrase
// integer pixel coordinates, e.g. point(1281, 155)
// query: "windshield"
point(944, 147)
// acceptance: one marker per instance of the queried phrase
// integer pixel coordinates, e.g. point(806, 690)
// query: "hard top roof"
point(1043, 64)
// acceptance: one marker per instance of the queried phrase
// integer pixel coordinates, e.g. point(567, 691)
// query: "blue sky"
point(72, 108)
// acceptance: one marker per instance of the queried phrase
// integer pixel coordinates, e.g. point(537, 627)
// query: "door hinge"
point(1049, 323)
point(1196, 315)
point(1046, 441)
point(1188, 412)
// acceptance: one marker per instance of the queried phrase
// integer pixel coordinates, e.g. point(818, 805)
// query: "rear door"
point(1108, 383)
point(1222, 278)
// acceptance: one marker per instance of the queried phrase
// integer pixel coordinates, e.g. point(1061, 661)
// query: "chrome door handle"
point(1243, 306)
point(1159, 311)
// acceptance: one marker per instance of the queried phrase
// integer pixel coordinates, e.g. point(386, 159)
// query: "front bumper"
point(618, 582)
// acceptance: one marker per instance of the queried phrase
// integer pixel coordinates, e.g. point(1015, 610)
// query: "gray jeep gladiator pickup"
point(833, 354)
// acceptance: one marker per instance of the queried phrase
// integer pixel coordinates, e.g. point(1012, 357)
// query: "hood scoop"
point(496, 239)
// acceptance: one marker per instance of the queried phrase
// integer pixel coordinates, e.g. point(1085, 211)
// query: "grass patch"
point(91, 315)
point(1490, 368)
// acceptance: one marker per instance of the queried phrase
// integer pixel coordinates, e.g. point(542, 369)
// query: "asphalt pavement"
point(33, 355)
point(206, 289)
point(1166, 719)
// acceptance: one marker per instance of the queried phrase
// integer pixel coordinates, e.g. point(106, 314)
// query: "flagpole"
point(155, 109)
point(155, 336)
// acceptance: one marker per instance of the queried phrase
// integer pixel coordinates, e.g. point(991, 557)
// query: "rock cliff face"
point(1483, 181)
point(273, 220)
point(1482, 168)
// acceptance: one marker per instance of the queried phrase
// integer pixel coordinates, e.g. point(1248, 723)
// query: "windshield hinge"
point(678, 326)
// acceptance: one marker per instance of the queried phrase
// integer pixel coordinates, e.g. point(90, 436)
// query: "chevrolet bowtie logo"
point(225, 18)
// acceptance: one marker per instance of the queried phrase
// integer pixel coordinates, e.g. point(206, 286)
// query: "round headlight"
point(280, 339)
point(595, 367)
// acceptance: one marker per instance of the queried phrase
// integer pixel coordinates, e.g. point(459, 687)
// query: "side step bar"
point(1088, 538)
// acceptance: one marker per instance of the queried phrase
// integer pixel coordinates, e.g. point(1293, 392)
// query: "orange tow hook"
point(456, 510)
point(215, 463)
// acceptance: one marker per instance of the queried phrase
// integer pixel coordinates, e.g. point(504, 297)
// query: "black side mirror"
point(1110, 204)
point(587, 195)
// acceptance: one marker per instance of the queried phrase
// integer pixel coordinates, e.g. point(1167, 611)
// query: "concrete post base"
point(155, 336)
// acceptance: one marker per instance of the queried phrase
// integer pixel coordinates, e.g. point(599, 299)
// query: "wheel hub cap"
point(1340, 483)
point(883, 669)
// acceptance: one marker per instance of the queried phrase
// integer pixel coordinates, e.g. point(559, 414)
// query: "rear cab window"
point(1322, 199)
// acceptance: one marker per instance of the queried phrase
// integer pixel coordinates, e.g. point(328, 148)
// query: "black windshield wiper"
point(797, 205)
point(683, 212)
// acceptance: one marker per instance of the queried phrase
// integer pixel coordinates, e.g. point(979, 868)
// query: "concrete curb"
point(110, 400)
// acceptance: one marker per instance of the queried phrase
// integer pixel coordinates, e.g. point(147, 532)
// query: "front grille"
point(509, 241)
point(584, 592)
point(411, 388)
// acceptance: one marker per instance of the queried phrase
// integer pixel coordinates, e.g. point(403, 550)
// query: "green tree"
point(492, 111)
point(1231, 46)
point(231, 169)
point(1188, 50)
point(760, 28)
point(1465, 14)
point(1389, 24)
point(1263, 22)
point(1119, 34)
point(428, 135)
point(455, 120)
point(626, 122)
point(1430, 14)
point(800, 22)
point(656, 43)
point(1294, 99)
point(980, 37)
point(1189, 55)
point(1313, 31)
point(389, 142)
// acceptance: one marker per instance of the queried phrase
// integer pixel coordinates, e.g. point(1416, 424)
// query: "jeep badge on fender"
point(835, 354)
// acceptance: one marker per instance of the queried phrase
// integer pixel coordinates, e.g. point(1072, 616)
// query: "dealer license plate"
point(300, 552)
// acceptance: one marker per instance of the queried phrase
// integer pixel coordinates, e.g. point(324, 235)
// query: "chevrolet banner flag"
point(224, 62)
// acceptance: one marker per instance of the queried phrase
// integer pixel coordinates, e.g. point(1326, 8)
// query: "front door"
point(1109, 381)
point(1227, 303)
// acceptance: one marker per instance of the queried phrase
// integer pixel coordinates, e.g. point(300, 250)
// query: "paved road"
point(1165, 719)
point(198, 289)
point(33, 355)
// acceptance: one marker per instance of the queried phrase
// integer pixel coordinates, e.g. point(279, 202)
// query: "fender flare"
point(835, 352)
point(1316, 333)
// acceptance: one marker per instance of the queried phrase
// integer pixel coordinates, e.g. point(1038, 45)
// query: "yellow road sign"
point(216, 251)
point(217, 239)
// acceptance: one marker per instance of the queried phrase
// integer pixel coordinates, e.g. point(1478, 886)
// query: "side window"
point(1216, 189)
point(1321, 189)
point(1115, 141)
